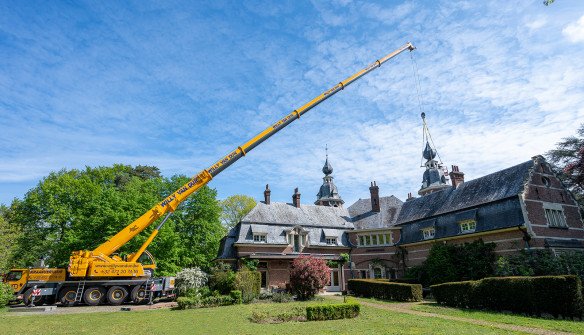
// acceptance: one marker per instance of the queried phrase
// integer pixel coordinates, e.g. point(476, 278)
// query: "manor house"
point(521, 207)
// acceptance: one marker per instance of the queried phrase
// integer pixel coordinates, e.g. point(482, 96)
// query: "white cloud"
point(536, 23)
point(575, 31)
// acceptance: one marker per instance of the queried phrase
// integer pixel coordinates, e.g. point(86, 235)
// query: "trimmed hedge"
point(332, 311)
point(371, 288)
point(555, 295)
point(212, 301)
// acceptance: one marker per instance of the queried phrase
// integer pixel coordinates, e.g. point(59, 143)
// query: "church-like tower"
point(328, 195)
point(434, 178)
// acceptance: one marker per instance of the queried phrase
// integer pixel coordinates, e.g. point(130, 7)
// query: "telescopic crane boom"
point(101, 263)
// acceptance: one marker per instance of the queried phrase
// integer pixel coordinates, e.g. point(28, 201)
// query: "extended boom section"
point(99, 261)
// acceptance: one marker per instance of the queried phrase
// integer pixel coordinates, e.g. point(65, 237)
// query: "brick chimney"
point(296, 198)
point(374, 189)
point(456, 176)
point(267, 193)
point(410, 197)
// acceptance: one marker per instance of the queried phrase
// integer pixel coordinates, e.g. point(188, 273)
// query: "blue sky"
point(179, 84)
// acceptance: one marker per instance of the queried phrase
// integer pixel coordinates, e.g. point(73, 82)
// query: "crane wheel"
point(28, 298)
point(116, 295)
point(93, 296)
point(67, 295)
point(138, 294)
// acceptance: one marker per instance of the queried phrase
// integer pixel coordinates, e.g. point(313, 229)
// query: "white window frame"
point(428, 233)
point(468, 226)
point(331, 241)
point(260, 238)
point(554, 215)
point(380, 239)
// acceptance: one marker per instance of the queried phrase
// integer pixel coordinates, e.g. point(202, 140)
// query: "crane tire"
point(138, 294)
point(93, 296)
point(27, 298)
point(67, 295)
point(116, 295)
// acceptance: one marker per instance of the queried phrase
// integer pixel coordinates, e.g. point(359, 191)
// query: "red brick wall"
point(537, 194)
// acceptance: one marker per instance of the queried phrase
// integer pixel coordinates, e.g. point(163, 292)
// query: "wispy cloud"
point(177, 85)
point(575, 31)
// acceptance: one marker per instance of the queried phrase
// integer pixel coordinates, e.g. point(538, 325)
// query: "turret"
point(434, 178)
point(328, 195)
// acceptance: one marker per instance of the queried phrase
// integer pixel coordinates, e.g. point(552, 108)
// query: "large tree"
point(9, 235)
point(568, 157)
point(234, 208)
point(80, 209)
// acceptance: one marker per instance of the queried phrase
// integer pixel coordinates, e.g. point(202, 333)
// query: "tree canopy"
point(80, 209)
point(568, 157)
point(234, 208)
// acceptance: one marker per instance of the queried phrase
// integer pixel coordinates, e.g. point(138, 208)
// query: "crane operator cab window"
point(146, 259)
point(13, 276)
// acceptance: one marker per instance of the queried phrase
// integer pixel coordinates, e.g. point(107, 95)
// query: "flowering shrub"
point(189, 281)
point(307, 276)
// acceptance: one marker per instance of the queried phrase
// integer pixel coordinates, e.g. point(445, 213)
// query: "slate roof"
point(306, 215)
point(276, 219)
point(226, 249)
point(493, 187)
point(364, 218)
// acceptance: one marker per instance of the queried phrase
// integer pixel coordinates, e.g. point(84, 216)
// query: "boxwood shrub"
point(210, 301)
point(555, 295)
point(332, 311)
point(371, 288)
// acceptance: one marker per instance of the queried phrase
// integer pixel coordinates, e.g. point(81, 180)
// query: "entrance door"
point(334, 281)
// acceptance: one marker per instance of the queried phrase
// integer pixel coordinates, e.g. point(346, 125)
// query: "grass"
point(519, 320)
point(232, 320)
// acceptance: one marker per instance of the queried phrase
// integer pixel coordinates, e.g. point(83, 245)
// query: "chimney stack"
point(374, 189)
point(296, 198)
point(267, 193)
point(456, 177)
point(410, 197)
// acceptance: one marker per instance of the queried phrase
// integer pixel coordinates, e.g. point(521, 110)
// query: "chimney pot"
point(296, 198)
point(374, 190)
point(456, 176)
point(267, 193)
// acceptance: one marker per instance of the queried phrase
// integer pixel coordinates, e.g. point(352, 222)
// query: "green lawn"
point(230, 320)
point(561, 325)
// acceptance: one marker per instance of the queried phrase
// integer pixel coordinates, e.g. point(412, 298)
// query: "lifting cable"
point(425, 131)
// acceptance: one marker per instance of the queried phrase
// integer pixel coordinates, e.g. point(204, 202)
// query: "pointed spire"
point(434, 178)
point(328, 195)
point(327, 169)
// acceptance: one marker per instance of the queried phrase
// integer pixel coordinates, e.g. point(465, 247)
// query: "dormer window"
point(428, 233)
point(331, 241)
point(468, 226)
point(261, 238)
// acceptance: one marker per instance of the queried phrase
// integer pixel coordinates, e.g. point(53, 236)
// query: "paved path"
point(92, 309)
point(407, 309)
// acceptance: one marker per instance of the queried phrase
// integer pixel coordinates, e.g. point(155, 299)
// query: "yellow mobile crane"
point(108, 276)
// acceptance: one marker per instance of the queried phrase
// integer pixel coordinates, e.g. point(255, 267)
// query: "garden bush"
point(555, 295)
point(282, 297)
point(236, 296)
point(189, 281)
point(384, 290)
point(222, 278)
point(249, 283)
point(332, 311)
point(308, 275)
point(6, 294)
